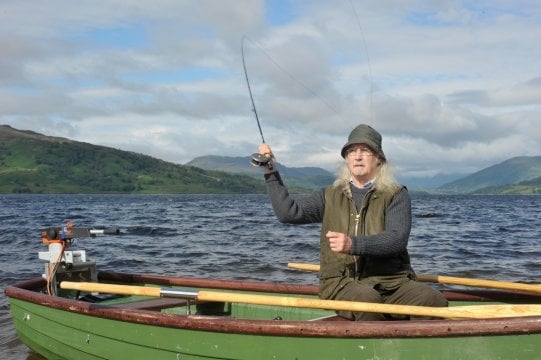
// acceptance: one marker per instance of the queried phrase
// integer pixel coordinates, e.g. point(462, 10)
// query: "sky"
point(452, 86)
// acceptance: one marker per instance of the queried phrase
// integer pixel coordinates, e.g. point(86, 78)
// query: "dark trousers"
point(409, 293)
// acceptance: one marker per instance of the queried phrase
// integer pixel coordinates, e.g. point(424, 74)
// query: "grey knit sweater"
point(310, 208)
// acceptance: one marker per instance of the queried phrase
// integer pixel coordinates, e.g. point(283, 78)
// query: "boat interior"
point(182, 306)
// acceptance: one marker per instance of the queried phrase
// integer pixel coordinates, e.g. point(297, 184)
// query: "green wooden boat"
point(71, 325)
point(62, 323)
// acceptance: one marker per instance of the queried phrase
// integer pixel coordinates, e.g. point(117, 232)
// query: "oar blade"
point(497, 311)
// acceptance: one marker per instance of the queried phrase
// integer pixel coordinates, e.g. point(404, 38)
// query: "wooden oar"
point(459, 312)
point(493, 284)
point(303, 266)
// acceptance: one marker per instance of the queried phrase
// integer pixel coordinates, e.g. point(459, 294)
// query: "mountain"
point(297, 178)
point(512, 171)
point(513, 176)
point(34, 163)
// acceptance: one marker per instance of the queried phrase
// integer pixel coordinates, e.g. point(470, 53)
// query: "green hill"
point(500, 178)
point(35, 163)
point(529, 187)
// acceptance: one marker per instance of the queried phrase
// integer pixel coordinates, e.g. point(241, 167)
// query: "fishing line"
point(303, 85)
point(367, 56)
point(259, 159)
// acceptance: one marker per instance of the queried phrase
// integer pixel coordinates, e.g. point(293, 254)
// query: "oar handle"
point(303, 266)
point(112, 288)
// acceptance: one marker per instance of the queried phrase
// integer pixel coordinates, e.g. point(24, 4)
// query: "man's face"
point(362, 162)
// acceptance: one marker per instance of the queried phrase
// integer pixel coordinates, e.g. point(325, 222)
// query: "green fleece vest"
point(339, 269)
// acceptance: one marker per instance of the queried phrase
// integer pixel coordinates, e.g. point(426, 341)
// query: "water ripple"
point(229, 236)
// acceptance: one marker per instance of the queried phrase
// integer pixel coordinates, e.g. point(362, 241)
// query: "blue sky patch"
point(134, 36)
point(280, 12)
point(173, 76)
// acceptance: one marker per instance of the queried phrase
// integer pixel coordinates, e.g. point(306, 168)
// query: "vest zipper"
point(355, 232)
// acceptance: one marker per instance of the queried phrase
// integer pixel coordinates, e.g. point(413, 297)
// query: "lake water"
point(237, 236)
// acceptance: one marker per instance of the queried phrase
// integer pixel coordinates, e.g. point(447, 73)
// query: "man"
point(366, 222)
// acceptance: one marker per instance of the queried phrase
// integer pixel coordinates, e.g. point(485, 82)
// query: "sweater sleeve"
point(294, 209)
point(394, 239)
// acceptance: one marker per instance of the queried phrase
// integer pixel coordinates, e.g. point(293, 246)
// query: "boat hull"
point(59, 328)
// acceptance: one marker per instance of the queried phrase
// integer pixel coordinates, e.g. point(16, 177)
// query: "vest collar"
point(368, 185)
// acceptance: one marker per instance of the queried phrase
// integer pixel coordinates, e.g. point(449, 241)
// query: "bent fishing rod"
point(257, 159)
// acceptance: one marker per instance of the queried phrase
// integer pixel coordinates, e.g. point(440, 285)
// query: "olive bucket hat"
point(364, 134)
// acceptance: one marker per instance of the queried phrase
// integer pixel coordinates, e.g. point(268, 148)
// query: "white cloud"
point(452, 86)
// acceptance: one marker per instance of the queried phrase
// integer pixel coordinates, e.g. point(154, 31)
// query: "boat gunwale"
point(328, 329)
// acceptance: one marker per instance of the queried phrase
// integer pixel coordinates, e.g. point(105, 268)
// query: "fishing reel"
point(258, 159)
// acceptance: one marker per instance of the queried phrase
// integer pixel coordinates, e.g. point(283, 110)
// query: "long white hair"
point(384, 180)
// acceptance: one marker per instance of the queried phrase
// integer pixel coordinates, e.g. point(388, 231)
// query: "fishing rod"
point(257, 159)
